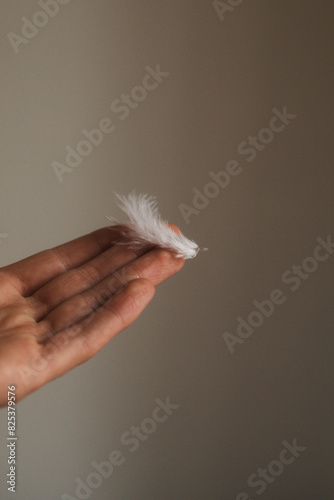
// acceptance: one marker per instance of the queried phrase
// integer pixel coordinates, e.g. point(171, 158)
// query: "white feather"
point(146, 227)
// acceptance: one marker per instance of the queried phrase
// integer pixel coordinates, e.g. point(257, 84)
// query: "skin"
point(59, 307)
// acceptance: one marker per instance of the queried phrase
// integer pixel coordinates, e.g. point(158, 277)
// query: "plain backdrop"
point(227, 73)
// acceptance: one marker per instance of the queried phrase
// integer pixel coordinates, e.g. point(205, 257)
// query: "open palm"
point(58, 308)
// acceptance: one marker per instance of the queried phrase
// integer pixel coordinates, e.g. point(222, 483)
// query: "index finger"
point(33, 272)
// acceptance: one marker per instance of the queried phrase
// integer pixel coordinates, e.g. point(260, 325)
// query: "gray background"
point(225, 78)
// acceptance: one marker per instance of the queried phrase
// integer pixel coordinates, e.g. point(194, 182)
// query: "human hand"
point(58, 308)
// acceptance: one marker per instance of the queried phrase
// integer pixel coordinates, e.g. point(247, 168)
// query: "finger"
point(82, 341)
point(33, 272)
point(82, 278)
point(176, 229)
point(155, 266)
point(79, 279)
